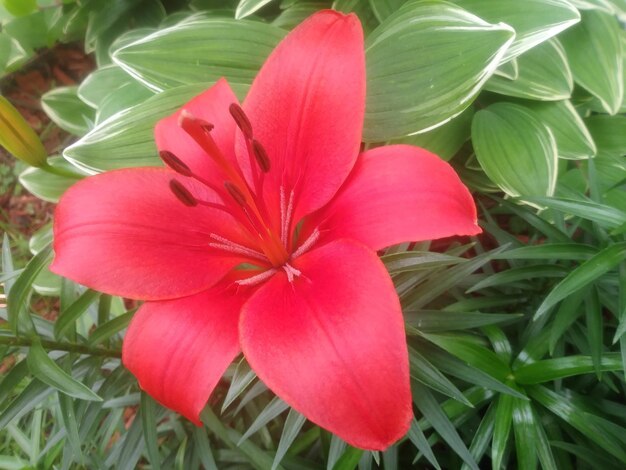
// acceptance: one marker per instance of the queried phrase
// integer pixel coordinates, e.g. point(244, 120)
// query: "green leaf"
point(275, 408)
point(17, 307)
point(417, 437)
point(483, 435)
point(98, 84)
point(248, 7)
point(432, 411)
point(203, 447)
point(20, 7)
point(561, 367)
point(46, 370)
point(417, 260)
point(573, 140)
point(105, 331)
point(127, 139)
point(293, 425)
point(584, 275)
point(69, 315)
point(534, 21)
point(49, 186)
point(515, 149)
point(70, 423)
point(501, 429)
point(594, 51)
point(296, 13)
point(121, 98)
point(609, 133)
point(525, 436)
point(349, 459)
point(242, 377)
point(149, 427)
point(66, 109)
point(544, 74)
point(446, 140)
point(442, 320)
point(199, 50)
point(550, 251)
point(523, 273)
point(33, 394)
point(603, 215)
point(603, 432)
point(438, 55)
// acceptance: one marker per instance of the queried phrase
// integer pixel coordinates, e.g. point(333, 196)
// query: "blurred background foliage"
point(516, 337)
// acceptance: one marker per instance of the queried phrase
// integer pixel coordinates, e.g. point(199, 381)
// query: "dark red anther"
point(261, 156)
point(182, 193)
point(241, 120)
point(235, 192)
point(206, 126)
point(175, 163)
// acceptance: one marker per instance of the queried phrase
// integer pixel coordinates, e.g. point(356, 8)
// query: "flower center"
point(272, 249)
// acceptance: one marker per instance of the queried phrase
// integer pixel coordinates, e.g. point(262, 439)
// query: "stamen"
point(291, 272)
point(235, 193)
point(251, 281)
point(261, 156)
point(182, 193)
point(175, 163)
point(242, 121)
point(228, 245)
point(308, 243)
point(285, 216)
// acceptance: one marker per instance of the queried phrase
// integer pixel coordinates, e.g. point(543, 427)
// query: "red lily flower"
point(261, 237)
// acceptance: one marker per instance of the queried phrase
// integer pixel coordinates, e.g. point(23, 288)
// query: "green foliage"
point(517, 338)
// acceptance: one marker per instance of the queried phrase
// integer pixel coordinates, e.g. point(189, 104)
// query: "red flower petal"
point(332, 344)
point(306, 107)
point(211, 106)
point(396, 194)
point(125, 233)
point(179, 349)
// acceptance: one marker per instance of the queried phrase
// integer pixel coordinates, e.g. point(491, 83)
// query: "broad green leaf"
point(603, 432)
point(444, 141)
point(49, 186)
point(296, 13)
point(603, 5)
point(534, 21)
point(501, 429)
point(20, 7)
point(362, 9)
point(515, 149)
point(441, 320)
point(609, 133)
point(439, 56)
point(573, 140)
point(594, 50)
point(293, 425)
point(558, 368)
point(385, 8)
point(67, 110)
point(248, 7)
point(17, 308)
point(525, 435)
point(12, 54)
point(127, 139)
point(199, 51)
point(98, 84)
point(584, 275)
point(432, 411)
point(46, 370)
point(126, 96)
point(544, 74)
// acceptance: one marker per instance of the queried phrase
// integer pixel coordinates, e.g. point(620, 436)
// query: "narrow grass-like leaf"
point(552, 251)
point(432, 411)
point(603, 215)
point(17, 308)
point(349, 459)
point(69, 315)
point(417, 437)
point(68, 418)
point(203, 447)
point(33, 394)
point(416, 260)
point(558, 368)
point(515, 149)
point(595, 327)
point(442, 320)
point(149, 427)
point(502, 429)
point(525, 435)
point(584, 275)
point(242, 377)
point(293, 425)
point(568, 312)
point(275, 408)
point(107, 330)
point(524, 273)
point(46, 370)
point(426, 373)
point(482, 436)
point(439, 56)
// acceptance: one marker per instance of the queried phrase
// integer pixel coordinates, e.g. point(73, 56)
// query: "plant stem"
point(60, 346)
